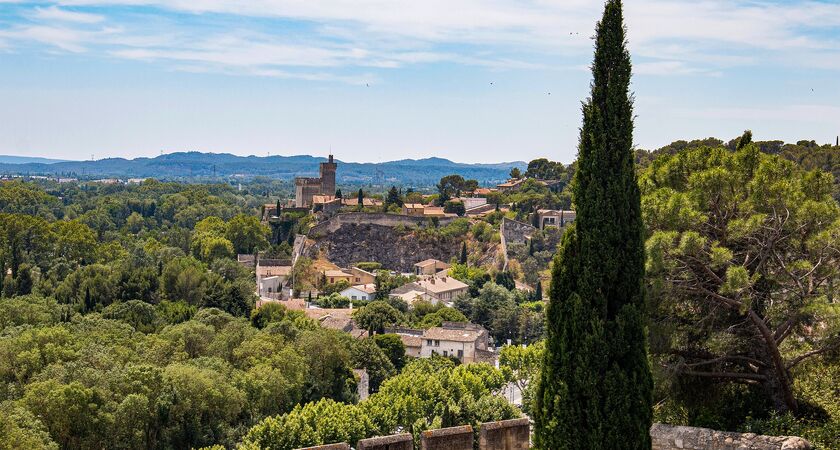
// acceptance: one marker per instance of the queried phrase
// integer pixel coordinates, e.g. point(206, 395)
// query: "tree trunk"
point(778, 381)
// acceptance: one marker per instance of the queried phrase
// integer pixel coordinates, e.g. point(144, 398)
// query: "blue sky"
point(376, 80)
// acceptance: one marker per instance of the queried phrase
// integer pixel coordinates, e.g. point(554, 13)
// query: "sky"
point(379, 80)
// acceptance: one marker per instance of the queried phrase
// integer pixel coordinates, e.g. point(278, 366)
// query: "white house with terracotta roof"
point(360, 292)
point(465, 341)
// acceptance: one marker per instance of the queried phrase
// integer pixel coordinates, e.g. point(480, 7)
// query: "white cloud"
point(67, 39)
point(667, 37)
point(56, 13)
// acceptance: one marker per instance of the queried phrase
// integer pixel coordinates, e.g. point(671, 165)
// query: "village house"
point(511, 185)
point(465, 341)
point(340, 319)
point(412, 339)
point(361, 276)
point(472, 202)
point(430, 267)
point(411, 294)
point(335, 276)
point(482, 192)
point(354, 276)
point(555, 218)
point(442, 288)
point(413, 209)
point(272, 275)
point(360, 292)
point(461, 340)
point(366, 202)
point(434, 288)
point(435, 211)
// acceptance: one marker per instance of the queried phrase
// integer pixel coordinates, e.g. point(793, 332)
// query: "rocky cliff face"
point(396, 248)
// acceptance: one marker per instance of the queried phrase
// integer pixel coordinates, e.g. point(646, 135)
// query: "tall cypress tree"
point(595, 387)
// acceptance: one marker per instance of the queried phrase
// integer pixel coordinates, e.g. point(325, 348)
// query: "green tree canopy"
point(742, 256)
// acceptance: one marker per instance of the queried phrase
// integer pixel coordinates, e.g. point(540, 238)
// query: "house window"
point(428, 342)
point(358, 279)
point(460, 353)
point(353, 298)
point(445, 353)
point(437, 343)
point(332, 280)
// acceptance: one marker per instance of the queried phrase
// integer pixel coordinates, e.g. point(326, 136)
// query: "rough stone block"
point(667, 437)
point(455, 438)
point(339, 446)
point(514, 434)
point(394, 442)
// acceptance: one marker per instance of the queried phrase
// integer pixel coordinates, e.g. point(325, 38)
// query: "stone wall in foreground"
point(515, 434)
point(667, 437)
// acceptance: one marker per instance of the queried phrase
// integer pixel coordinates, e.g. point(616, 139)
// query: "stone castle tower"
point(306, 188)
point(327, 172)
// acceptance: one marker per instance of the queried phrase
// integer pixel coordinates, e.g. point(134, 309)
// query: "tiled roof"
point(428, 262)
point(406, 288)
point(411, 341)
point(270, 271)
point(336, 273)
point(369, 288)
point(445, 334)
point(320, 199)
point(322, 313)
point(437, 284)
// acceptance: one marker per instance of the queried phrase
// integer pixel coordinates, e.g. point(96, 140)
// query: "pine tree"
point(538, 291)
point(24, 282)
point(463, 258)
point(393, 198)
point(595, 386)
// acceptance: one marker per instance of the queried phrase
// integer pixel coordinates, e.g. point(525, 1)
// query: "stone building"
point(306, 188)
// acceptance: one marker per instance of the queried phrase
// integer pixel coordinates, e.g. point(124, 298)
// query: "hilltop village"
point(185, 315)
point(414, 252)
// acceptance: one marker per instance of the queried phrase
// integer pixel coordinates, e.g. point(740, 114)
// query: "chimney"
point(331, 159)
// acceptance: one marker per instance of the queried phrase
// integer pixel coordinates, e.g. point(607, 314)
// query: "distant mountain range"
point(196, 165)
point(10, 159)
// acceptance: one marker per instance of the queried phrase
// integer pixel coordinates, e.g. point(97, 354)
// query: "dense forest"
point(126, 321)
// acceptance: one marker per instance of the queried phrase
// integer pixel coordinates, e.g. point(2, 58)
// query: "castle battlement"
point(308, 187)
